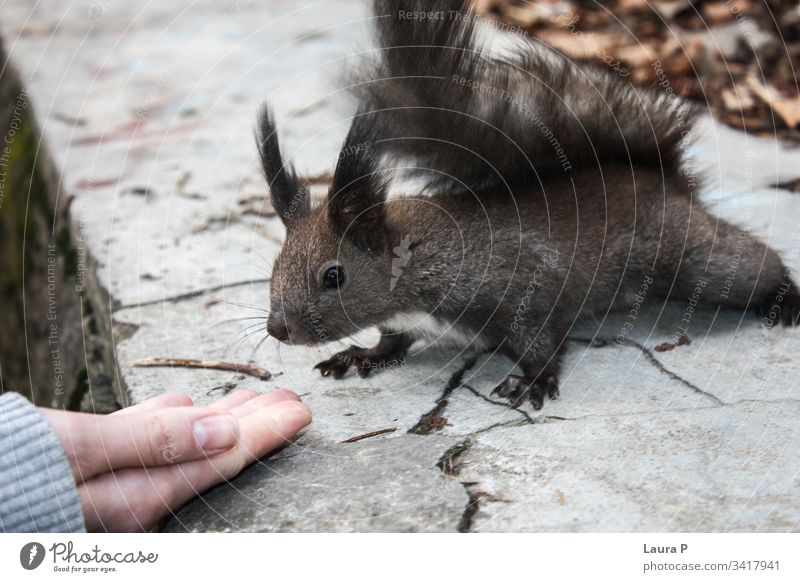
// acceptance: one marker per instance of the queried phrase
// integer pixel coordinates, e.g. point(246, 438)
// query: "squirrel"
point(548, 190)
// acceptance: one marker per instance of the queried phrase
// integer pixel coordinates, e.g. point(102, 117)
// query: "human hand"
point(141, 463)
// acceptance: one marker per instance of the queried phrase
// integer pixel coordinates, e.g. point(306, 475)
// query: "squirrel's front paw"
point(517, 388)
point(364, 360)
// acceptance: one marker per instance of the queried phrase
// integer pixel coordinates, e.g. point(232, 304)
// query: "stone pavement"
point(147, 112)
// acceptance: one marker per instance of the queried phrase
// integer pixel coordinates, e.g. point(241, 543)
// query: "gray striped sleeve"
point(37, 490)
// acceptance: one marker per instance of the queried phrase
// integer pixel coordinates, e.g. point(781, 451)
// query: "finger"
point(95, 444)
point(262, 431)
point(270, 428)
point(160, 401)
point(135, 499)
point(235, 399)
point(166, 436)
point(266, 399)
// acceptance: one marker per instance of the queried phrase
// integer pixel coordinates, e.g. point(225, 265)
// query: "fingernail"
point(215, 433)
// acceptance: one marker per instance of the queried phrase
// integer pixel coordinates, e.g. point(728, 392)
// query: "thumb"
point(96, 444)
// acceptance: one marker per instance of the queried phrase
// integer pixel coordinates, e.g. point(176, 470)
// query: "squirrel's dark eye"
point(333, 277)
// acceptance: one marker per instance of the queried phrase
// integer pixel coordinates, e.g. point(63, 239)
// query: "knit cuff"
point(37, 489)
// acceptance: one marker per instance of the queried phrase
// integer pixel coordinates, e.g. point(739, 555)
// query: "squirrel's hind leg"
point(725, 266)
point(389, 352)
point(540, 362)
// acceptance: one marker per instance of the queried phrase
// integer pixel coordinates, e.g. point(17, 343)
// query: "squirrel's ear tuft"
point(290, 200)
point(356, 200)
point(357, 212)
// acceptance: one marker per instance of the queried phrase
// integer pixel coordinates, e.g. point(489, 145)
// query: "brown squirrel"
point(548, 190)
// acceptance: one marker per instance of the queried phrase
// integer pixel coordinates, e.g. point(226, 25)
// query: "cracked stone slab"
point(149, 114)
point(150, 118)
point(206, 327)
point(380, 485)
point(732, 356)
point(594, 382)
point(732, 468)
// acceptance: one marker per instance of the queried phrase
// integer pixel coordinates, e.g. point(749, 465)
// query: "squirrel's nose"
point(276, 327)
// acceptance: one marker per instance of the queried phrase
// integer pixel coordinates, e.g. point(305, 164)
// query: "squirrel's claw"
point(363, 359)
point(517, 388)
point(335, 366)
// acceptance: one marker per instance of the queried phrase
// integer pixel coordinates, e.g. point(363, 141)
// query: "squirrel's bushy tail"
point(519, 113)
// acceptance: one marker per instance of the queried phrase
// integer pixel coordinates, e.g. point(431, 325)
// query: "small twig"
point(226, 388)
point(259, 373)
point(361, 437)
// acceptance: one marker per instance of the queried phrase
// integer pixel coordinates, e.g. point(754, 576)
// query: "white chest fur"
point(433, 330)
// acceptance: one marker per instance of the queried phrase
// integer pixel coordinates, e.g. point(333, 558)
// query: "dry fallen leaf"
point(535, 15)
point(636, 55)
point(676, 35)
point(624, 7)
point(681, 340)
point(787, 108)
point(579, 45)
point(670, 9)
point(717, 12)
point(740, 100)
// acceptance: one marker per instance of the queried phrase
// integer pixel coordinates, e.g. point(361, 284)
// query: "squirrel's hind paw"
point(518, 388)
point(783, 306)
